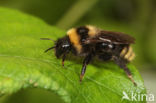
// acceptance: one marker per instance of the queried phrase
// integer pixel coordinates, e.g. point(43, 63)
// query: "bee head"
point(62, 46)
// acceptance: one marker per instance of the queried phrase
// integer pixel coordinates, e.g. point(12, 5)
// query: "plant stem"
point(77, 10)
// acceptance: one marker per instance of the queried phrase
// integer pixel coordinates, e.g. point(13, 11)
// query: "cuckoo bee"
point(89, 41)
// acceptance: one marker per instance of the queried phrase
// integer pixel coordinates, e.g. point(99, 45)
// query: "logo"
point(137, 97)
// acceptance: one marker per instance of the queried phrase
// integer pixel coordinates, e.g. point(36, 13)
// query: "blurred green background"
point(134, 17)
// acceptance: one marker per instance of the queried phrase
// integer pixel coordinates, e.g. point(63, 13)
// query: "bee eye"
point(65, 45)
point(82, 30)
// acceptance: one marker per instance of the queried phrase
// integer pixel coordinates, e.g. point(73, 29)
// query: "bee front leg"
point(85, 63)
point(122, 64)
point(63, 59)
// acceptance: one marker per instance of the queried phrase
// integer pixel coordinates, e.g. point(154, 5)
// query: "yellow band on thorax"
point(74, 39)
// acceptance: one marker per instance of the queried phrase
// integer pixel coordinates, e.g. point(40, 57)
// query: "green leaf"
point(23, 64)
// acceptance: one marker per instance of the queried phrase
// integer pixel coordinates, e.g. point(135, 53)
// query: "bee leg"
point(122, 65)
point(85, 63)
point(63, 59)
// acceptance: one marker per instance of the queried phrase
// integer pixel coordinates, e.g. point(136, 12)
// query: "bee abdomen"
point(127, 53)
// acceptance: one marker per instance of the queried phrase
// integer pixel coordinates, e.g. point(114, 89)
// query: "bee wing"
point(113, 37)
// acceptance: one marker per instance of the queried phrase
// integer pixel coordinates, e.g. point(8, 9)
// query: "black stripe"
point(83, 32)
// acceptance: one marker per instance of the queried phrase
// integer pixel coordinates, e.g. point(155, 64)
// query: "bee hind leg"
point(122, 64)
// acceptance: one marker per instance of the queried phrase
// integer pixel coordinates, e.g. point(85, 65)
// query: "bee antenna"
point(49, 49)
point(48, 39)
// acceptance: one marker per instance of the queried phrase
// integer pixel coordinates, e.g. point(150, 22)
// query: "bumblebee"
point(89, 42)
